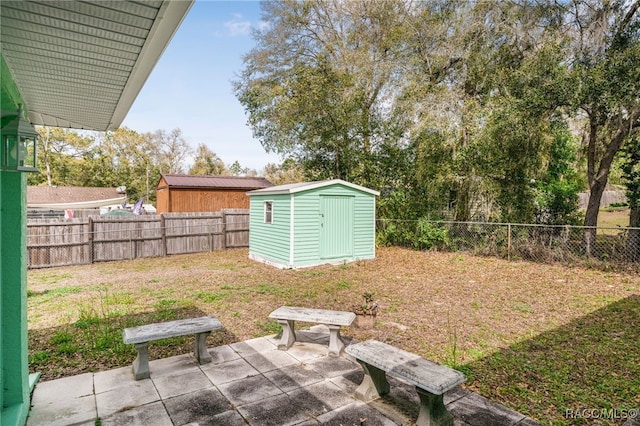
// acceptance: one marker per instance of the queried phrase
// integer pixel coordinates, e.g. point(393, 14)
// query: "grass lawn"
point(614, 217)
point(540, 339)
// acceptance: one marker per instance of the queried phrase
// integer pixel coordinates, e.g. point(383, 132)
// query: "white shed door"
point(336, 226)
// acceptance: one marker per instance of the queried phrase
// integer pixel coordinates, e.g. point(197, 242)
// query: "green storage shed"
point(312, 223)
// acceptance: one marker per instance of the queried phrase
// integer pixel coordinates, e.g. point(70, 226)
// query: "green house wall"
point(296, 240)
point(14, 380)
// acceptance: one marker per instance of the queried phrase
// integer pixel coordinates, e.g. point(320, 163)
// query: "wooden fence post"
point(90, 239)
point(224, 230)
point(163, 234)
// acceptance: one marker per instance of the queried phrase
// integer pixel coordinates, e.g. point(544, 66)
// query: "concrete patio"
point(249, 382)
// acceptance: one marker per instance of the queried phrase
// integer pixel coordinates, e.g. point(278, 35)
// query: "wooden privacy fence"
point(106, 238)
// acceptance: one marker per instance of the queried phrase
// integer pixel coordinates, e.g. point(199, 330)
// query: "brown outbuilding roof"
point(219, 182)
point(72, 197)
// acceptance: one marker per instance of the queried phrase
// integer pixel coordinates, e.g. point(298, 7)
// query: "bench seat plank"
point(319, 316)
point(434, 378)
point(164, 330)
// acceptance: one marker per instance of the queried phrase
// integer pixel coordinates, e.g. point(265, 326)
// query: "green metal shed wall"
point(364, 242)
point(270, 241)
point(307, 224)
point(273, 242)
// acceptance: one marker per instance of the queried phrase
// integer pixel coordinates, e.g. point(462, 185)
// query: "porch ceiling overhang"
point(82, 64)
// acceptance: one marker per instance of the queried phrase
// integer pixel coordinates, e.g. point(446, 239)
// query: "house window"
point(268, 212)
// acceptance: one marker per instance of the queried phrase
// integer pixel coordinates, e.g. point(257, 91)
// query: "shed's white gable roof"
point(292, 188)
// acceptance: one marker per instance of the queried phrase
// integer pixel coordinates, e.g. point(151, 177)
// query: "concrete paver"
point(320, 398)
point(307, 351)
point(66, 388)
point(475, 410)
point(274, 411)
point(112, 379)
point(248, 382)
point(271, 360)
point(62, 412)
point(197, 407)
point(169, 386)
point(261, 344)
point(126, 397)
point(355, 413)
point(222, 354)
point(333, 367)
point(251, 389)
point(145, 415)
point(229, 371)
point(293, 377)
point(162, 367)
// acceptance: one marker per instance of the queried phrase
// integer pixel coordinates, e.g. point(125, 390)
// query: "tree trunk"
point(463, 202)
point(591, 216)
point(598, 180)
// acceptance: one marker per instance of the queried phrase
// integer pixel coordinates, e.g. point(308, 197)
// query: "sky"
point(191, 85)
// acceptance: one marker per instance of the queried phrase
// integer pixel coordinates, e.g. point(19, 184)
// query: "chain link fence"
point(600, 247)
point(84, 241)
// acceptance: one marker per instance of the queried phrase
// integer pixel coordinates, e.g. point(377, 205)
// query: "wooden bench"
point(287, 315)
point(142, 335)
point(430, 379)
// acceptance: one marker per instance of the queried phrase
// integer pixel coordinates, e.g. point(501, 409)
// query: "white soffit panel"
point(82, 64)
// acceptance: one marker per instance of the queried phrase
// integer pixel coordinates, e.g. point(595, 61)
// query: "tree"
point(448, 105)
point(318, 87)
point(126, 158)
point(606, 57)
point(286, 172)
point(486, 81)
point(172, 150)
point(556, 200)
point(60, 155)
point(207, 162)
point(235, 169)
point(631, 177)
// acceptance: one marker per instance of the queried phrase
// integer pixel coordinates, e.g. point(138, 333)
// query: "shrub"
point(423, 234)
point(430, 235)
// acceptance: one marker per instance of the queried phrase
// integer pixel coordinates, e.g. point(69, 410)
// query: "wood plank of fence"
point(60, 242)
point(126, 237)
point(236, 227)
point(54, 243)
point(192, 233)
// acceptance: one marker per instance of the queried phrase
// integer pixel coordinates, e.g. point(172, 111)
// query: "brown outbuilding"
point(193, 193)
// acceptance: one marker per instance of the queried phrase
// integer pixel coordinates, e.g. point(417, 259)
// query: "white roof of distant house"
point(72, 197)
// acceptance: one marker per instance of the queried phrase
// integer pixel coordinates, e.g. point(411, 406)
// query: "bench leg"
point(374, 383)
point(432, 410)
point(336, 345)
point(141, 363)
point(288, 334)
point(200, 350)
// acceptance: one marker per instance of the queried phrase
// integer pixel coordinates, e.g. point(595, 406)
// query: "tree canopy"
point(475, 109)
point(120, 158)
